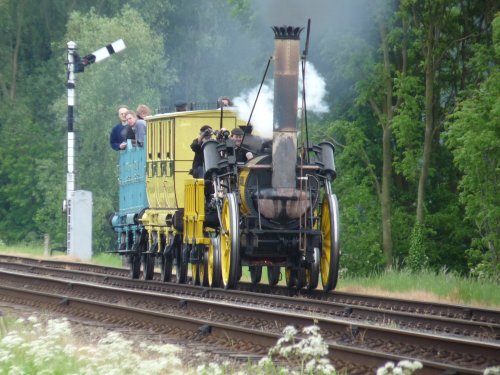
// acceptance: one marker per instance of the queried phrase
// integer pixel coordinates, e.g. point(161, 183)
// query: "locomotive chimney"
point(286, 75)
point(283, 201)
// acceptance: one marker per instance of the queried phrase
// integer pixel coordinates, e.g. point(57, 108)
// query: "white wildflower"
point(166, 349)
point(286, 351)
point(37, 328)
point(386, 369)
point(59, 327)
point(12, 340)
point(310, 366)
point(289, 332)
point(410, 365)
point(6, 356)
point(325, 367)
point(492, 371)
point(214, 368)
point(265, 361)
point(311, 330)
point(404, 367)
point(15, 370)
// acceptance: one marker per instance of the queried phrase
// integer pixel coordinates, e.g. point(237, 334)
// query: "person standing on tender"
point(138, 126)
point(118, 135)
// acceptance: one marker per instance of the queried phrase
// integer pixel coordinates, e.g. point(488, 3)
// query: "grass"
point(105, 259)
point(426, 285)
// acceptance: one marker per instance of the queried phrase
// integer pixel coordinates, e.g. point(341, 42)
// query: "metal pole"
point(81, 198)
point(70, 176)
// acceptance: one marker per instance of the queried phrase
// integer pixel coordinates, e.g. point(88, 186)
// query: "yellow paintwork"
point(169, 158)
point(242, 178)
point(194, 212)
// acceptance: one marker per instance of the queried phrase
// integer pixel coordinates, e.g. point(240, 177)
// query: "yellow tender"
point(168, 160)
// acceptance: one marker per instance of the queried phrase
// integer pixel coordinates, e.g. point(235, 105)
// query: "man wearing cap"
point(242, 155)
point(206, 133)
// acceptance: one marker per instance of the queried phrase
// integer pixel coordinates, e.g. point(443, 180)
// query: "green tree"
point(473, 135)
point(18, 192)
point(26, 88)
point(359, 208)
point(359, 70)
point(378, 69)
point(444, 37)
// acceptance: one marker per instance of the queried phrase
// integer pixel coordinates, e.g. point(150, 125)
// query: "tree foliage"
point(474, 138)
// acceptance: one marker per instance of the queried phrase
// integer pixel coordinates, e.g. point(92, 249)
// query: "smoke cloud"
point(262, 116)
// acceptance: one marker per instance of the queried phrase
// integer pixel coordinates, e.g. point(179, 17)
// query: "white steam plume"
point(262, 117)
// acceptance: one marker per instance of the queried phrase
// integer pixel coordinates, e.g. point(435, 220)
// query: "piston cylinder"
point(327, 160)
point(211, 156)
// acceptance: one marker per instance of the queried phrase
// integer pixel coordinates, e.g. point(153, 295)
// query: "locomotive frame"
point(277, 210)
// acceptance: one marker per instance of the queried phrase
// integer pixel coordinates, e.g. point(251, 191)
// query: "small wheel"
point(255, 274)
point(195, 264)
point(148, 266)
point(290, 277)
point(301, 278)
point(312, 271)
point(166, 268)
point(134, 266)
point(166, 262)
point(181, 255)
point(199, 269)
point(195, 273)
point(273, 275)
point(204, 267)
point(330, 254)
point(148, 262)
point(230, 242)
point(213, 258)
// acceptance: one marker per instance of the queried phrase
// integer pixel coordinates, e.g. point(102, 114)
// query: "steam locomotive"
point(275, 211)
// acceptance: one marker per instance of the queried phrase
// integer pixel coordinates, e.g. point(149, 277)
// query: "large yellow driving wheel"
point(230, 242)
point(330, 254)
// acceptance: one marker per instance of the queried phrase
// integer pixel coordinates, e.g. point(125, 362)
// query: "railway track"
point(444, 319)
point(255, 320)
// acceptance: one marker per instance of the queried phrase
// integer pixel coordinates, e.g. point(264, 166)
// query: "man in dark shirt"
point(206, 133)
point(242, 154)
point(118, 136)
